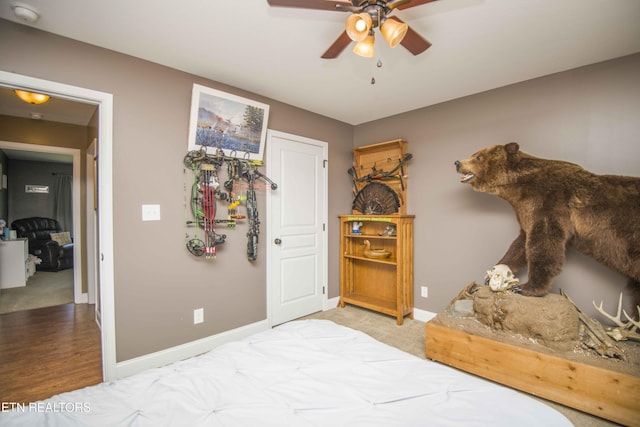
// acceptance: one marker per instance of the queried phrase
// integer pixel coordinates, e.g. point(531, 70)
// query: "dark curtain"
point(63, 202)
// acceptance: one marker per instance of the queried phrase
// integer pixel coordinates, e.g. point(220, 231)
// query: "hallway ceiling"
point(37, 156)
point(275, 52)
point(55, 110)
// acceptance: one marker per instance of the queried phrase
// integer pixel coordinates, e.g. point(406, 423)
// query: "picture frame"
point(233, 124)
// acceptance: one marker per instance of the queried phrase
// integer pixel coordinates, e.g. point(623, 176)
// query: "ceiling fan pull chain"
point(378, 65)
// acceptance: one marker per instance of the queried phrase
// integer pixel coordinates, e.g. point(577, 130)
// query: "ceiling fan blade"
point(337, 47)
point(393, 4)
point(413, 41)
point(312, 4)
point(414, 3)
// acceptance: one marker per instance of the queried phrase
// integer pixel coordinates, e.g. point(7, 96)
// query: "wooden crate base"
point(604, 393)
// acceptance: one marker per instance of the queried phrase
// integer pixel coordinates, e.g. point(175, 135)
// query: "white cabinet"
point(13, 263)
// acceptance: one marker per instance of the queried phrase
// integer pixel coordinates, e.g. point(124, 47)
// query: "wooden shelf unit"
point(383, 285)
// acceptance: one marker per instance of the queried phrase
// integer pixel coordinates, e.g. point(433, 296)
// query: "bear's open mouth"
point(467, 177)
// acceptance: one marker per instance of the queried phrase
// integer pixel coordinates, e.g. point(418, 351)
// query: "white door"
point(296, 233)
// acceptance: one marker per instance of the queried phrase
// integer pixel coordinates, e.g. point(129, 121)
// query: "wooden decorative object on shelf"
point(375, 253)
point(380, 283)
point(376, 198)
point(383, 165)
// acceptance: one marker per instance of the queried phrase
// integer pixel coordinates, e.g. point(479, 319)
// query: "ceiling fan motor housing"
point(378, 10)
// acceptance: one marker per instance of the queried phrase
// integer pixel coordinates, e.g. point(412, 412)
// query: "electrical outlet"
point(198, 316)
point(424, 292)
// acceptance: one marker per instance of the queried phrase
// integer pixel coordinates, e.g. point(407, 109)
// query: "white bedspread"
point(303, 373)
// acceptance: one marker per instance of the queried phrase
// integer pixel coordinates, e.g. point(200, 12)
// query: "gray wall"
point(589, 116)
point(157, 282)
point(23, 172)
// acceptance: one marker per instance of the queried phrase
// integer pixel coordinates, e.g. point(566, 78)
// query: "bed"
point(302, 373)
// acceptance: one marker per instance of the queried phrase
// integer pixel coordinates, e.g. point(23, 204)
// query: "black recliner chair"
point(38, 231)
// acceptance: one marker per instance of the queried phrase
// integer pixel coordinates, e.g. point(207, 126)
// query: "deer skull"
point(501, 278)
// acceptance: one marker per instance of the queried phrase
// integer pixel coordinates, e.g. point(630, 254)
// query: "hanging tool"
point(254, 221)
point(252, 209)
point(206, 190)
point(379, 174)
point(209, 186)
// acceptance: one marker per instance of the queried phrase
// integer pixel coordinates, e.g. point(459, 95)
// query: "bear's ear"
point(512, 147)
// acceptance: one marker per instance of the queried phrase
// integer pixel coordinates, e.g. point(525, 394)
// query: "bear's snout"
point(467, 175)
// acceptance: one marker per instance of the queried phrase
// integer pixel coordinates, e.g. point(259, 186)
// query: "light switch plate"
point(151, 212)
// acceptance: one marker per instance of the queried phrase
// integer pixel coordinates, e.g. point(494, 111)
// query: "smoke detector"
point(25, 13)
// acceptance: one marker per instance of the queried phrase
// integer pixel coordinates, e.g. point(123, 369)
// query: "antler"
point(594, 336)
point(625, 331)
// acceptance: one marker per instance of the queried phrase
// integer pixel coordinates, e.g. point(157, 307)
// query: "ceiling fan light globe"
point(365, 47)
point(393, 31)
point(358, 26)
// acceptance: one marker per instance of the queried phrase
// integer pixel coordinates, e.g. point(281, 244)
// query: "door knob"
point(277, 241)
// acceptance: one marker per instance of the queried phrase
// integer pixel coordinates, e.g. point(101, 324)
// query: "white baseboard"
point(331, 303)
point(423, 315)
point(190, 349)
point(184, 351)
point(418, 314)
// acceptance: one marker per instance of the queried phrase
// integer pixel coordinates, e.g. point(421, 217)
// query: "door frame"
point(325, 213)
point(91, 221)
point(78, 296)
point(104, 101)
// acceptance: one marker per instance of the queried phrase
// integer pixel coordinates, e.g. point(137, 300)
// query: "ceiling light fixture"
point(360, 26)
point(393, 31)
point(365, 47)
point(31, 97)
point(25, 13)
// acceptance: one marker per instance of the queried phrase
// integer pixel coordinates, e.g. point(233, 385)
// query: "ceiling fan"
point(366, 15)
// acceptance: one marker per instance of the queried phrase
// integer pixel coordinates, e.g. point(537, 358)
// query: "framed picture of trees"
point(235, 125)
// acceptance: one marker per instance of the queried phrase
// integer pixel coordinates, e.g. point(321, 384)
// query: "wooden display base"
point(604, 393)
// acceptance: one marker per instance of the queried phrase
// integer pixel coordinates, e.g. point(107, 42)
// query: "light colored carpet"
point(410, 337)
point(44, 289)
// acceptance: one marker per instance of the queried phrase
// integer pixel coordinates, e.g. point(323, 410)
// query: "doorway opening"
point(104, 174)
point(41, 152)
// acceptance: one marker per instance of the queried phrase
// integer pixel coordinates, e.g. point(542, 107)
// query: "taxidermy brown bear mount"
point(560, 204)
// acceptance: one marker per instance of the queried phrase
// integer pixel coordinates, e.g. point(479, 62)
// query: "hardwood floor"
point(48, 351)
